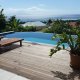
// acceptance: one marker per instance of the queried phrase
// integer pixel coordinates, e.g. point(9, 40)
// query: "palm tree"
point(49, 22)
point(14, 23)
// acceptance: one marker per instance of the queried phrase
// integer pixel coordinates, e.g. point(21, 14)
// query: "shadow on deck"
point(71, 76)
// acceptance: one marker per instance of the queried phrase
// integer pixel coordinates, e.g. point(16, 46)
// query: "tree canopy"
point(13, 23)
point(2, 21)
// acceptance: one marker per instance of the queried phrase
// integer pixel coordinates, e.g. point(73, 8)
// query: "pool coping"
point(37, 43)
point(43, 44)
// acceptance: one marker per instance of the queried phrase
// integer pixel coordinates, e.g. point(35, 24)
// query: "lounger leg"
point(0, 50)
point(20, 43)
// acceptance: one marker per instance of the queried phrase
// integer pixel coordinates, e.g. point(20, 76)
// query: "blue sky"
point(40, 8)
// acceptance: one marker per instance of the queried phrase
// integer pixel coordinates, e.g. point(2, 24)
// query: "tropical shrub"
point(13, 23)
point(72, 41)
point(27, 28)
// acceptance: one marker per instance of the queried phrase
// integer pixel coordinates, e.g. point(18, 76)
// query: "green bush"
point(27, 28)
point(46, 30)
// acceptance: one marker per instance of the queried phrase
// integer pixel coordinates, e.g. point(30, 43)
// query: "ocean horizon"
point(63, 17)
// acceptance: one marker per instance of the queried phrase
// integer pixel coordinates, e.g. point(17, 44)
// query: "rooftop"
point(36, 24)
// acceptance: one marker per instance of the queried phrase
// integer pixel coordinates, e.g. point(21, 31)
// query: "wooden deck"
point(32, 61)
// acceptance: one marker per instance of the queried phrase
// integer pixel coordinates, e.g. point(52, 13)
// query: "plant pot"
point(75, 61)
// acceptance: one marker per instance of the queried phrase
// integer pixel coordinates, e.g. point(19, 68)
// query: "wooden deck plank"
point(32, 61)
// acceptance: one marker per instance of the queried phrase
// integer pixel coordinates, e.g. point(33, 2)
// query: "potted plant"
point(73, 42)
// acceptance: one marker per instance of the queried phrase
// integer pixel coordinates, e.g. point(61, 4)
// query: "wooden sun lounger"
point(10, 41)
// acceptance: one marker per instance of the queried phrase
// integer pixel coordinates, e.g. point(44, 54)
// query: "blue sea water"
point(36, 37)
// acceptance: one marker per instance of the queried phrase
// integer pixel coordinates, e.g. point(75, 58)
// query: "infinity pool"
point(36, 37)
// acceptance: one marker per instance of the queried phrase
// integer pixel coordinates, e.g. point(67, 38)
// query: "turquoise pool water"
point(36, 37)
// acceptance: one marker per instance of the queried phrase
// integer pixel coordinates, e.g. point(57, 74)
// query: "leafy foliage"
point(60, 26)
point(13, 23)
point(27, 28)
point(49, 22)
point(71, 40)
point(2, 21)
point(48, 30)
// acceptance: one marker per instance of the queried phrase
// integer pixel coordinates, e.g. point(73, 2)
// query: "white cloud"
point(42, 5)
point(32, 12)
point(28, 12)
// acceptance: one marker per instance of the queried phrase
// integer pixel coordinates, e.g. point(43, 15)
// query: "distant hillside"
point(64, 17)
point(71, 17)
